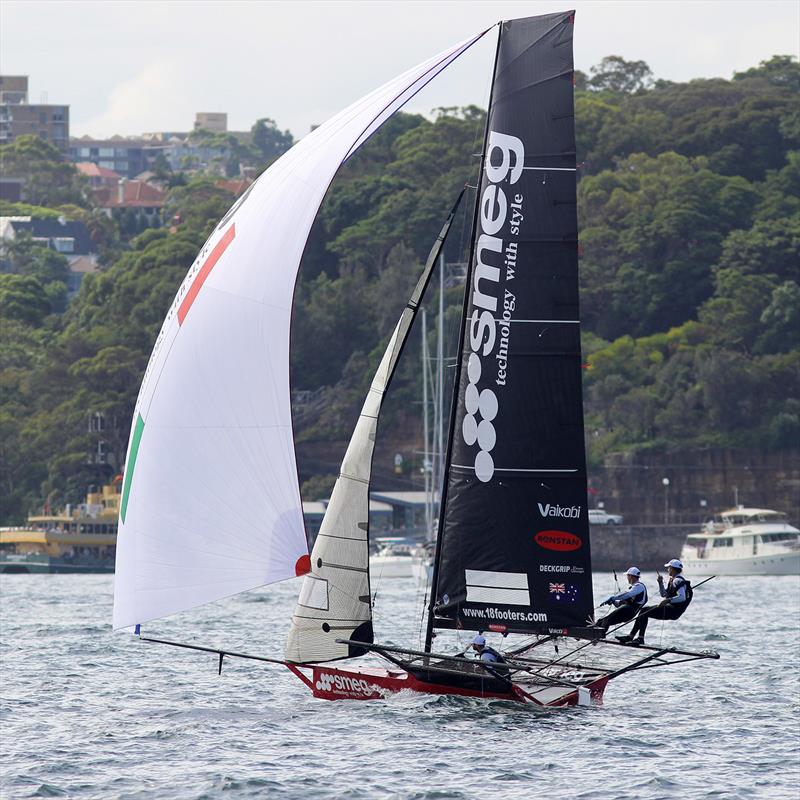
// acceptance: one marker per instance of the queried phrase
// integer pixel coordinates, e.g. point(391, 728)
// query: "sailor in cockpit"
point(484, 652)
point(626, 604)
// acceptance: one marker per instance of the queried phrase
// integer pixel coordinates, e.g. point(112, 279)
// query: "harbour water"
point(93, 714)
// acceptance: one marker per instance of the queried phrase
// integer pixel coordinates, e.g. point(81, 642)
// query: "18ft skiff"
point(513, 552)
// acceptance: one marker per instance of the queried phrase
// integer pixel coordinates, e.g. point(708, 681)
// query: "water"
point(92, 714)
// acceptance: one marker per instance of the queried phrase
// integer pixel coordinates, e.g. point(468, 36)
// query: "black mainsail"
point(513, 549)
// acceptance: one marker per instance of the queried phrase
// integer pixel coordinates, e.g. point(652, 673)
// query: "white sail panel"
point(211, 504)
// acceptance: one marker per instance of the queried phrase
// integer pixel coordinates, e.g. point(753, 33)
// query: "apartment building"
point(19, 117)
point(125, 156)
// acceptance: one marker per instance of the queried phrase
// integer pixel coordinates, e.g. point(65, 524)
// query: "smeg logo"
point(483, 404)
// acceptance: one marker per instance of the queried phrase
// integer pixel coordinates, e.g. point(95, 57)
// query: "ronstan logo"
point(566, 512)
point(558, 540)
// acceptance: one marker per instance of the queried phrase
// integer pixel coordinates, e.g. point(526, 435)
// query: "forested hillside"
point(689, 207)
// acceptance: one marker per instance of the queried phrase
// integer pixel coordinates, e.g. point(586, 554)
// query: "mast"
point(439, 474)
point(459, 360)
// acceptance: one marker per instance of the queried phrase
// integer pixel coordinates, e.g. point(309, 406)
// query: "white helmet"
point(635, 571)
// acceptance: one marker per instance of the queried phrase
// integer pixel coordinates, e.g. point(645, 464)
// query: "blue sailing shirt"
point(637, 595)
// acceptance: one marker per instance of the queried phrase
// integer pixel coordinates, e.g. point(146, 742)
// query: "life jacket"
point(497, 656)
point(640, 599)
point(672, 590)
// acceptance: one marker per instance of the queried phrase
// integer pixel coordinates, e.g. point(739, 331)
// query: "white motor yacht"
point(393, 559)
point(744, 541)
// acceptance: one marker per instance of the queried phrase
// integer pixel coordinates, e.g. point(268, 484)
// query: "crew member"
point(484, 652)
point(626, 604)
point(677, 595)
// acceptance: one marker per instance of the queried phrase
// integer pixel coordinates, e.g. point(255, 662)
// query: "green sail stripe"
point(126, 489)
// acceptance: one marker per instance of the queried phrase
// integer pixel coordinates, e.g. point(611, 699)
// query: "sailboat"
point(212, 427)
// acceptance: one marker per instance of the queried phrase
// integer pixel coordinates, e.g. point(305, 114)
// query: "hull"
point(372, 683)
point(391, 567)
point(784, 564)
point(22, 565)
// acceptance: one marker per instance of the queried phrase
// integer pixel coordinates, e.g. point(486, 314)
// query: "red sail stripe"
point(220, 247)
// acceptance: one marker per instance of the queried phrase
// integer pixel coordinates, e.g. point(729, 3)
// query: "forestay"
point(211, 505)
point(335, 601)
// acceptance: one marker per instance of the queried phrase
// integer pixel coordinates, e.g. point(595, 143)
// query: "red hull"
point(369, 683)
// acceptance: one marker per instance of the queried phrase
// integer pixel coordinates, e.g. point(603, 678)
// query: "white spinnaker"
point(334, 600)
point(211, 505)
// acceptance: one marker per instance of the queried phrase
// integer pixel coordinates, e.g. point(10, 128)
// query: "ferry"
point(744, 541)
point(80, 540)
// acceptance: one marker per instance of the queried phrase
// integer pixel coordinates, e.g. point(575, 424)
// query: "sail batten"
point(213, 506)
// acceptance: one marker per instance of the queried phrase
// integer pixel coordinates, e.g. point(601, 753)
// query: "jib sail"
point(513, 540)
point(335, 603)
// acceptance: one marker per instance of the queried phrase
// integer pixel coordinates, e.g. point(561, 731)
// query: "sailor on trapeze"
point(677, 595)
point(627, 604)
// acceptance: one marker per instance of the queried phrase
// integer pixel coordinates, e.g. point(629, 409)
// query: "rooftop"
point(91, 170)
point(136, 194)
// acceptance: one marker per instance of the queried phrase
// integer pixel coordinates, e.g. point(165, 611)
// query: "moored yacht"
point(744, 541)
point(393, 559)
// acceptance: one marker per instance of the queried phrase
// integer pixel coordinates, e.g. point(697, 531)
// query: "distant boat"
point(211, 504)
point(744, 541)
point(80, 540)
point(393, 559)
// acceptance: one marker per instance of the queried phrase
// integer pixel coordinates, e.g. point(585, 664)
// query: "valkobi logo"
point(565, 512)
point(485, 285)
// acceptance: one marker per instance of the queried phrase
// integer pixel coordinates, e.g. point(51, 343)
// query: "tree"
point(782, 71)
point(318, 487)
point(200, 204)
point(161, 167)
point(770, 247)
point(653, 230)
point(615, 74)
point(48, 180)
point(781, 320)
point(268, 140)
point(23, 298)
